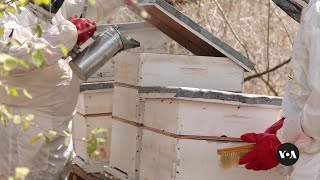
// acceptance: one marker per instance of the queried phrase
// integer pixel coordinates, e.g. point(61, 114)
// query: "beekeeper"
point(54, 88)
point(300, 124)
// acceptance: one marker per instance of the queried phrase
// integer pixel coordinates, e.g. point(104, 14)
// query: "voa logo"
point(288, 154)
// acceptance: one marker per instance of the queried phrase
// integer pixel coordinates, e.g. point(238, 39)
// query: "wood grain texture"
point(95, 101)
point(177, 159)
point(147, 69)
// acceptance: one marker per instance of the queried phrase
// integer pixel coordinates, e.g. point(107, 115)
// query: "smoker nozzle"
point(106, 46)
point(128, 42)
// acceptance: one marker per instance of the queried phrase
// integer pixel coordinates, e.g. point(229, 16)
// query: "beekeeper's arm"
point(305, 130)
point(63, 32)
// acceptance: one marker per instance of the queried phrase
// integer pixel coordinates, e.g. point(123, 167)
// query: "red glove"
point(264, 155)
point(275, 127)
point(85, 27)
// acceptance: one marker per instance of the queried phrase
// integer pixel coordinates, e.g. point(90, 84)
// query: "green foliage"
point(93, 141)
point(9, 63)
point(20, 173)
point(38, 59)
point(39, 30)
point(64, 50)
point(92, 2)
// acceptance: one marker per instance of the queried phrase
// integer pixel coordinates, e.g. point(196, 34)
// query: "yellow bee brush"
point(229, 157)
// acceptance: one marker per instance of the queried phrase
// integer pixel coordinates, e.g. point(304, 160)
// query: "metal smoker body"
point(106, 46)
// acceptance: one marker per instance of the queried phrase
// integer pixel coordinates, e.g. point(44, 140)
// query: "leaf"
point(1, 31)
point(4, 122)
point(34, 140)
point(64, 50)
point(46, 2)
point(67, 141)
point(13, 91)
point(23, 2)
point(24, 64)
point(67, 132)
point(96, 153)
point(99, 131)
point(6, 111)
point(27, 94)
point(26, 126)
point(38, 59)
point(52, 133)
point(10, 64)
point(16, 42)
point(18, 9)
point(40, 46)
point(92, 2)
point(10, 9)
point(39, 30)
point(29, 117)
point(46, 139)
point(17, 119)
point(21, 172)
point(101, 140)
point(7, 89)
point(92, 144)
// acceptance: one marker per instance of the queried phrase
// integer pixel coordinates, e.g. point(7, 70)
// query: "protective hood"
point(292, 7)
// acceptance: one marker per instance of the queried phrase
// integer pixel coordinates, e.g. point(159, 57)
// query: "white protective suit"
point(54, 89)
point(301, 103)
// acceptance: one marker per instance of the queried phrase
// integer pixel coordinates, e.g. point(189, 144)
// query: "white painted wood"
point(90, 168)
point(126, 103)
point(173, 159)
point(189, 117)
point(125, 148)
point(147, 69)
point(82, 127)
point(95, 102)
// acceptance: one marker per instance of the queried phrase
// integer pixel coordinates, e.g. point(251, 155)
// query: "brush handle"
point(236, 149)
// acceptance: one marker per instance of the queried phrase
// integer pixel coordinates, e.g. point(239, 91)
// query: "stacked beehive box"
point(94, 111)
point(162, 131)
point(134, 70)
point(159, 135)
point(96, 96)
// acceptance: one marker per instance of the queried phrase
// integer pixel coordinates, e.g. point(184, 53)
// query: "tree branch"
point(267, 71)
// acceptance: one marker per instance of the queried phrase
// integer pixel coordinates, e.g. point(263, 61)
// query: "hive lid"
point(205, 94)
point(189, 34)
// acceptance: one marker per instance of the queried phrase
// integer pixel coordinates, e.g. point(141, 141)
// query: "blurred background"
point(257, 28)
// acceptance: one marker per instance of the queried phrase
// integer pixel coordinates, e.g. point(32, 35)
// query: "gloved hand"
point(85, 27)
point(264, 155)
point(275, 127)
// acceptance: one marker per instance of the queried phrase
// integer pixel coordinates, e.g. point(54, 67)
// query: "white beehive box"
point(95, 98)
point(190, 114)
point(174, 159)
point(190, 111)
point(125, 148)
point(94, 111)
point(151, 40)
point(82, 126)
point(148, 69)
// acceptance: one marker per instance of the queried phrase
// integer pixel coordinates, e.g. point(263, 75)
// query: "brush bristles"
point(230, 160)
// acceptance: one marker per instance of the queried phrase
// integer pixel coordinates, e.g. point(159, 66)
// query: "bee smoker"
point(106, 46)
